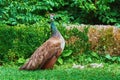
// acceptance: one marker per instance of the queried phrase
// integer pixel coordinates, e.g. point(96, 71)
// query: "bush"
point(80, 11)
point(19, 42)
point(105, 39)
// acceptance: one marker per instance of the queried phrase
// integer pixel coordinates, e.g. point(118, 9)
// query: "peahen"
point(47, 54)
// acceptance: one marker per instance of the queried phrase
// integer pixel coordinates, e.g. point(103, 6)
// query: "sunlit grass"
point(108, 72)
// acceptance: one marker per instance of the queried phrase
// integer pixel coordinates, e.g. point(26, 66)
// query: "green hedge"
point(19, 42)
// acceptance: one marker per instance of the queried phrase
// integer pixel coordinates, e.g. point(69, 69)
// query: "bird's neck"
point(54, 30)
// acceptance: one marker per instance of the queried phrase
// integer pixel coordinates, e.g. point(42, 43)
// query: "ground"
point(63, 72)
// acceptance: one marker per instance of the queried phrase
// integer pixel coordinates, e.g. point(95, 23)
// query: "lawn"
point(108, 72)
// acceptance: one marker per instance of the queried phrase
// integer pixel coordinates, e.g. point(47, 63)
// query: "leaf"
point(66, 36)
point(114, 58)
point(89, 59)
point(118, 59)
point(67, 53)
point(60, 60)
point(108, 56)
point(21, 60)
point(95, 54)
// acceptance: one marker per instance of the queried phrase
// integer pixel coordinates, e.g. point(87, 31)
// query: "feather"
point(41, 57)
point(47, 54)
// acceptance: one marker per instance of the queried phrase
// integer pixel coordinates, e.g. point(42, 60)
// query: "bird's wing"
point(43, 54)
point(50, 62)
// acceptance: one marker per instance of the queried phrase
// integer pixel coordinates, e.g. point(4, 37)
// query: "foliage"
point(27, 12)
point(65, 54)
point(80, 11)
point(105, 39)
point(76, 43)
point(102, 11)
point(19, 42)
point(112, 58)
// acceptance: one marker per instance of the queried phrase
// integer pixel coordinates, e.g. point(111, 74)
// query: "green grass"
point(108, 72)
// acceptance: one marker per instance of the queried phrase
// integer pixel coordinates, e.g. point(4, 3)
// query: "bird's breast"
point(62, 43)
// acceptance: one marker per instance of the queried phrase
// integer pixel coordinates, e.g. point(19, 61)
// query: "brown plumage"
point(47, 54)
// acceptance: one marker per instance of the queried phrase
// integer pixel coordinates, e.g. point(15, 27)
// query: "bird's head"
point(52, 16)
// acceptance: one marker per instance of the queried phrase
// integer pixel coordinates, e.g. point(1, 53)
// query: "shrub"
point(19, 42)
point(105, 39)
point(80, 11)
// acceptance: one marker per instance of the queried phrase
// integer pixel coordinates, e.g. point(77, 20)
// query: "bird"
point(47, 54)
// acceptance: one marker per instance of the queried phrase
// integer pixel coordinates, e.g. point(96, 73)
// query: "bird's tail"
point(33, 63)
point(27, 66)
